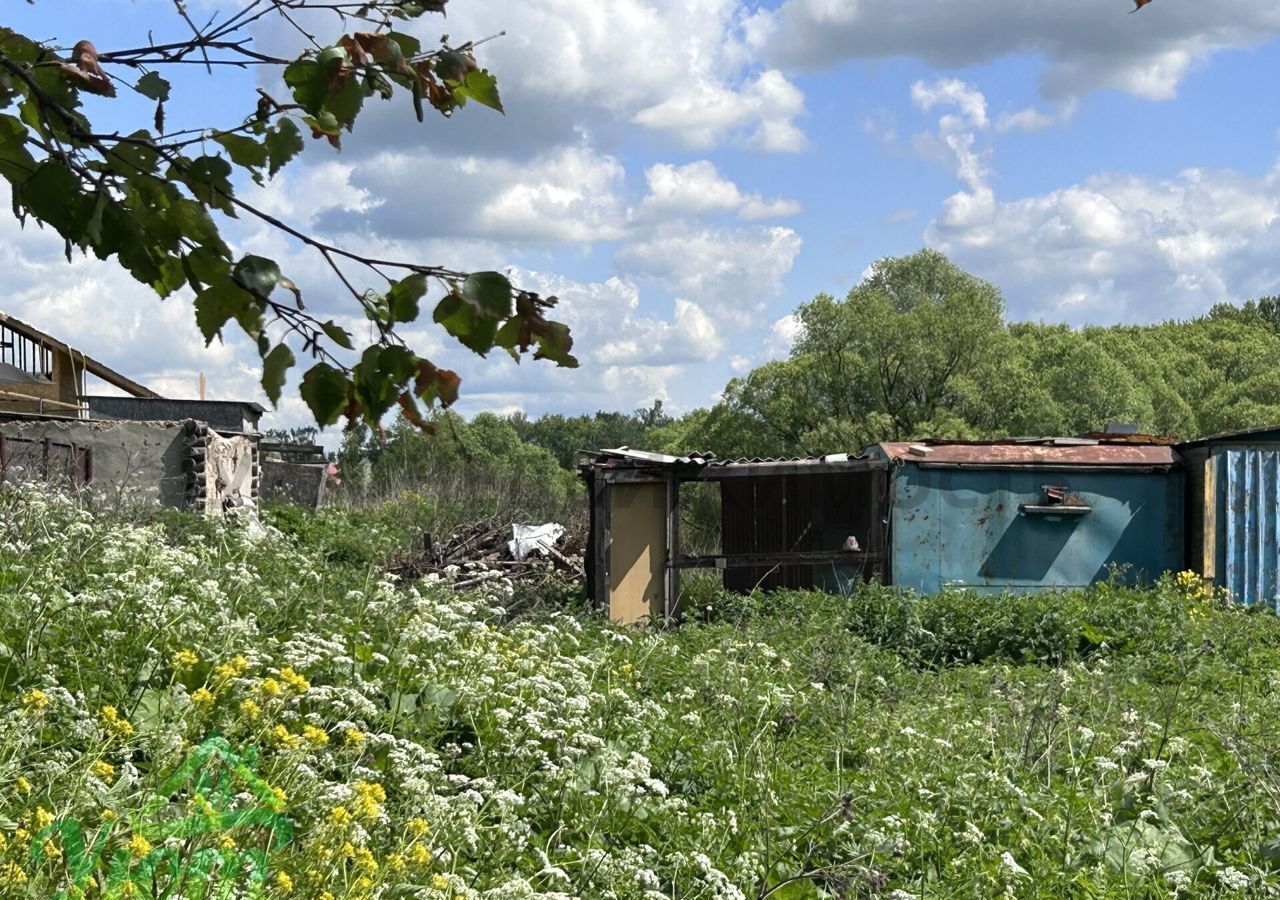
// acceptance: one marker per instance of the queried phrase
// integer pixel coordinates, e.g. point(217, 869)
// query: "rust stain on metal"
point(1030, 454)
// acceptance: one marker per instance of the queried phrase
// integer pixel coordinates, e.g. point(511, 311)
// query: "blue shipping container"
point(994, 526)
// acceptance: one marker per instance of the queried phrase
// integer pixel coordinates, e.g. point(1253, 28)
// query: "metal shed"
point(811, 522)
point(1031, 514)
point(1233, 512)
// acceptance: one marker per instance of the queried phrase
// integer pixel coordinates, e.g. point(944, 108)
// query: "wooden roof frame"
point(87, 363)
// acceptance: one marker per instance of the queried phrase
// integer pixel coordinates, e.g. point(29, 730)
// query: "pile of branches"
point(472, 551)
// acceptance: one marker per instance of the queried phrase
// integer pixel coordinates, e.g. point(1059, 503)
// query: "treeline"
point(919, 349)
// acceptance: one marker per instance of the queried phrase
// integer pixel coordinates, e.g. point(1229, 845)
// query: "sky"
point(683, 174)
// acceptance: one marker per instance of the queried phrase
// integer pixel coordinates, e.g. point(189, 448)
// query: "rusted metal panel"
point(1019, 454)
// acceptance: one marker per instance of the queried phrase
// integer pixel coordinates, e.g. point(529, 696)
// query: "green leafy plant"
point(157, 200)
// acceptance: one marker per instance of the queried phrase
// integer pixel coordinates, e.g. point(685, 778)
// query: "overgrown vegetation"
point(425, 742)
point(923, 349)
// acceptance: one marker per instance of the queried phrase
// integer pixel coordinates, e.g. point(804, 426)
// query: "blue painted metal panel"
point(1249, 523)
point(965, 527)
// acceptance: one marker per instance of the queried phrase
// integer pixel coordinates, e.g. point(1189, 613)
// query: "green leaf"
point(259, 275)
point(53, 194)
point(310, 84)
point(345, 103)
point(275, 365)
point(402, 299)
point(481, 87)
point(489, 293)
point(460, 319)
point(409, 45)
point(217, 305)
point(134, 156)
point(337, 334)
point(324, 389)
point(153, 86)
point(244, 150)
point(284, 142)
point(209, 180)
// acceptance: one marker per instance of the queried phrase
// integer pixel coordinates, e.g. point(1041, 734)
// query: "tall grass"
point(422, 743)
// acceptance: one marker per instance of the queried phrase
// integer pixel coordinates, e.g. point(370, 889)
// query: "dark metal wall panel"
point(802, 513)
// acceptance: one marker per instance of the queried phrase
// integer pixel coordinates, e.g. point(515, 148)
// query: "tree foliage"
point(157, 200)
point(921, 349)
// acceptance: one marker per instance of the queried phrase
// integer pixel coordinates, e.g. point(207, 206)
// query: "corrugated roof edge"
point(645, 457)
point(1243, 434)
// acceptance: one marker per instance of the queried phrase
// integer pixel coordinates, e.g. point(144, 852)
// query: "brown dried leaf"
point(85, 70)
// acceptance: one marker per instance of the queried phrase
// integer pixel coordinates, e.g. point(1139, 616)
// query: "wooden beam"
point(600, 544)
point(671, 599)
point(29, 398)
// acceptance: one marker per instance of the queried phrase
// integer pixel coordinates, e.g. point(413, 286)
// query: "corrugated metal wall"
point(1251, 548)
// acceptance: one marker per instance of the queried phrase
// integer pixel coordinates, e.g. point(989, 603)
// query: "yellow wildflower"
point(284, 884)
point(102, 770)
point(396, 862)
point(278, 798)
point(203, 698)
point(227, 842)
point(139, 846)
point(363, 884)
point(34, 701)
point(314, 736)
point(296, 682)
point(339, 816)
point(419, 855)
point(439, 882)
point(280, 737)
point(348, 850)
point(108, 815)
point(325, 895)
point(41, 818)
point(23, 786)
point(418, 826)
point(353, 737)
point(128, 889)
point(369, 799)
point(250, 708)
point(364, 859)
point(270, 687)
point(3, 840)
point(185, 660)
point(113, 723)
point(12, 874)
point(232, 668)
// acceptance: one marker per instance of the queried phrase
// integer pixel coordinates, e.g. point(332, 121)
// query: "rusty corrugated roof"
point(1025, 453)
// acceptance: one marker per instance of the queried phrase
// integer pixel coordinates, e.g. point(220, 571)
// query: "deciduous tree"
point(157, 200)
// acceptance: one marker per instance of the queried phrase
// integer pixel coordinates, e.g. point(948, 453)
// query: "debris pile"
point(524, 554)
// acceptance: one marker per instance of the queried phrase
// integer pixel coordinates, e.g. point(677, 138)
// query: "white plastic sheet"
point(533, 539)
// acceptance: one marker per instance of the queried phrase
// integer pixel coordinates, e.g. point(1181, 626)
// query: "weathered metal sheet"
point(1250, 479)
point(990, 530)
point(1031, 454)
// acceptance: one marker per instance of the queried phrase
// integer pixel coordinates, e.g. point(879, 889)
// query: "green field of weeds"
point(194, 709)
